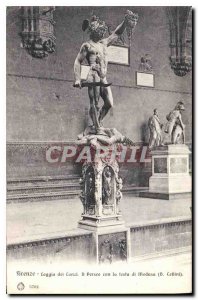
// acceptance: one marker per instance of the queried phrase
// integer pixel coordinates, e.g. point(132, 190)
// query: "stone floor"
point(30, 220)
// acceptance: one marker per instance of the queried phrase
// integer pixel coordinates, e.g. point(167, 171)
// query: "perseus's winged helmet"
point(94, 24)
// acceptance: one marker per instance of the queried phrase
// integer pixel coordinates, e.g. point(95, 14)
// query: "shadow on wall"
point(144, 131)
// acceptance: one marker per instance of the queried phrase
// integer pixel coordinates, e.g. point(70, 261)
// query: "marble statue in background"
point(175, 126)
point(95, 52)
point(155, 128)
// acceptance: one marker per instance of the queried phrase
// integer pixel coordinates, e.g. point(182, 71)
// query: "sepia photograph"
point(99, 150)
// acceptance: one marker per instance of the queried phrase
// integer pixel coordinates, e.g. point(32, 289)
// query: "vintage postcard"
point(99, 149)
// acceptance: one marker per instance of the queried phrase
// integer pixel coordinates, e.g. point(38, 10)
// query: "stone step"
point(135, 191)
point(60, 195)
point(43, 196)
point(43, 187)
point(43, 179)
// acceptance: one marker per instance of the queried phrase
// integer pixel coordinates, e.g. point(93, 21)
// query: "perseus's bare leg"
point(107, 97)
point(94, 94)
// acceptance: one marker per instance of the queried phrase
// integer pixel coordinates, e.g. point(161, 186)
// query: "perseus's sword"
point(94, 85)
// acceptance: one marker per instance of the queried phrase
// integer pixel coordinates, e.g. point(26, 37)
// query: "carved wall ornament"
point(145, 64)
point(180, 23)
point(38, 30)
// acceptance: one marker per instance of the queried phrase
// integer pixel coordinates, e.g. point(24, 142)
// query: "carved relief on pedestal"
point(118, 193)
point(106, 252)
point(87, 183)
point(101, 188)
point(123, 249)
point(108, 190)
point(112, 247)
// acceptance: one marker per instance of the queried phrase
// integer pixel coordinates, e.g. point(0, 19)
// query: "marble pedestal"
point(101, 195)
point(170, 173)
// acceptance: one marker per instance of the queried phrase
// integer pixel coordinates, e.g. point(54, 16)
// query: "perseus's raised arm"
point(116, 33)
point(130, 21)
point(77, 64)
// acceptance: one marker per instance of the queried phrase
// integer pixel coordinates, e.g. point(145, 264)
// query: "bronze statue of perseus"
point(95, 52)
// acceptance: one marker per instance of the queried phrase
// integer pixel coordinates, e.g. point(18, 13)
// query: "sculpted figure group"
point(174, 128)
